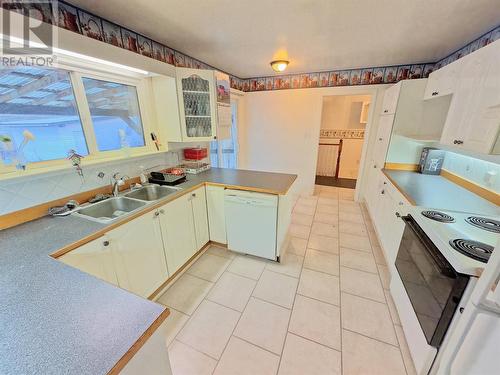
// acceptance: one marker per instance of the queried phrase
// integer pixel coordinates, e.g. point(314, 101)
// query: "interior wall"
point(280, 130)
point(343, 112)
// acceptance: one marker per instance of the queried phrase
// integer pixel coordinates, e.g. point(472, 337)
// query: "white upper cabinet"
point(199, 206)
point(391, 97)
point(94, 258)
point(197, 104)
point(167, 109)
point(216, 214)
point(382, 140)
point(179, 236)
point(443, 81)
point(474, 116)
point(138, 255)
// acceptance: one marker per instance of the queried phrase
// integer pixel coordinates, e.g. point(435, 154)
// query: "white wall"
point(280, 130)
point(343, 112)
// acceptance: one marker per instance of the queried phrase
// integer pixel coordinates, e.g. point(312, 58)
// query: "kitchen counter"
point(57, 319)
point(440, 193)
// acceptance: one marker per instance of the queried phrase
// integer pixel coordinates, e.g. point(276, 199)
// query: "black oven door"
point(432, 285)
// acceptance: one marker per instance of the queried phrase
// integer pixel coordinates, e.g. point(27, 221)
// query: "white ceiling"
point(243, 36)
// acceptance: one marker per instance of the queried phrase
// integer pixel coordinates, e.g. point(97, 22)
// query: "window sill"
point(6, 174)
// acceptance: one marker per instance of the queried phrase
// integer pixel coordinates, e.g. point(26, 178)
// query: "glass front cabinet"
point(197, 104)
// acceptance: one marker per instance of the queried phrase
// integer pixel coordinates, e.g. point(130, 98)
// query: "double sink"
point(111, 209)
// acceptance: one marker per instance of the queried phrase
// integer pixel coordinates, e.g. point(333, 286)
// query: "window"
point(114, 108)
point(224, 153)
point(39, 119)
point(45, 113)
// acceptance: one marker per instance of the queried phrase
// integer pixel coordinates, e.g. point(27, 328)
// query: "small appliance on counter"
point(168, 176)
point(431, 160)
point(193, 163)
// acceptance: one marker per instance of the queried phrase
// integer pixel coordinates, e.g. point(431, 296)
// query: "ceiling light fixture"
point(279, 65)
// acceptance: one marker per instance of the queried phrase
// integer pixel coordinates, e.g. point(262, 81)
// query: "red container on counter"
point(195, 153)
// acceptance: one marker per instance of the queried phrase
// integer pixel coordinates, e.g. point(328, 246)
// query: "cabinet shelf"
point(198, 116)
point(195, 92)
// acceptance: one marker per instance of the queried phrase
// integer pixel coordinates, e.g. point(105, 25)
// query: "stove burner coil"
point(484, 223)
point(473, 249)
point(438, 216)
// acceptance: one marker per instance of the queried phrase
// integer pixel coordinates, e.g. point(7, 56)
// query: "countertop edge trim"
point(122, 362)
point(408, 197)
point(483, 192)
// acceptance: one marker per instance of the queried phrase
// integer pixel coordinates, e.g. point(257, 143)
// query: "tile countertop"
point(439, 193)
point(57, 319)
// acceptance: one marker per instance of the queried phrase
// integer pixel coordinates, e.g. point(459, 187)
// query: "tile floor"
point(325, 309)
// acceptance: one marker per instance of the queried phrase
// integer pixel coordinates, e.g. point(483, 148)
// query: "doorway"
point(342, 132)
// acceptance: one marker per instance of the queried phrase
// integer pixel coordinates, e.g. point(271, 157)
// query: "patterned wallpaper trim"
point(84, 23)
point(342, 133)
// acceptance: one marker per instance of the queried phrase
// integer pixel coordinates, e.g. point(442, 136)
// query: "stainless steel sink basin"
point(110, 209)
point(151, 192)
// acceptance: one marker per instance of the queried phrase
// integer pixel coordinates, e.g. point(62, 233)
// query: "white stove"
point(465, 240)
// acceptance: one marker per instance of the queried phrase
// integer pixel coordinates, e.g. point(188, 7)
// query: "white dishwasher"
point(251, 222)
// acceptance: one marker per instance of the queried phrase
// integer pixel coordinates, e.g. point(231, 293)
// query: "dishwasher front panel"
point(251, 222)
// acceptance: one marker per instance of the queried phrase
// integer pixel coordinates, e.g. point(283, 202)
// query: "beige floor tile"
point(346, 194)
point(352, 241)
point(297, 246)
point(290, 264)
point(405, 351)
point(327, 209)
point(349, 206)
point(368, 318)
point(221, 251)
point(276, 288)
point(323, 229)
point(243, 358)
point(209, 329)
point(362, 355)
point(316, 321)
point(304, 357)
point(351, 217)
point(186, 293)
point(361, 283)
point(209, 267)
point(328, 201)
point(302, 219)
point(392, 308)
point(349, 227)
point(329, 194)
point(320, 286)
point(322, 262)
point(174, 323)
point(232, 291)
point(326, 218)
point(359, 260)
point(324, 243)
point(308, 201)
point(301, 231)
point(385, 276)
point(187, 361)
point(378, 255)
point(264, 324)
point(304, 209)
point(247, 266)
point(329, 189)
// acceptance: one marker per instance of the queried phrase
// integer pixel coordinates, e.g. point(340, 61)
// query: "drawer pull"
point(398, 215)
point(458, 142)
point(435, 93)
point(386, 110)
point(105, 243)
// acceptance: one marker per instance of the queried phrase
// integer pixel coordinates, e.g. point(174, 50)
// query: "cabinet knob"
point(380, 139)
point(157, 213)
point(398, 214)
point(215, 137)
point(375, 166)
point(105, 243)
point(193, 195)
point(386, 110)
point(401, 203)
point(435, 93)
point(458, 142)
point(382, 192)
point(385, 182)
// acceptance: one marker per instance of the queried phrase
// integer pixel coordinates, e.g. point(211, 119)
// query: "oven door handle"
point(432, 250)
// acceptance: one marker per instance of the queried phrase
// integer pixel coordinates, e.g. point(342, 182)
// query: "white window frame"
point(77, 71)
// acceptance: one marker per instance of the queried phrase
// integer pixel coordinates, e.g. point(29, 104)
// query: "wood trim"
point(254, 189)
point(176, 273)
point(122, 362)
point(403, 193)
point(32, 213)
point(472, 187)
point(402, 167)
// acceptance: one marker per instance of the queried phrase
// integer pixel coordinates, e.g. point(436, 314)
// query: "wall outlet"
point(490, 177)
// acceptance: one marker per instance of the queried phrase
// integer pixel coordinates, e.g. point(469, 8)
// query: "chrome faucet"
point(118, 181)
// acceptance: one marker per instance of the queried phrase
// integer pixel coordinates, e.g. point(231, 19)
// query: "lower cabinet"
point(216, 214)
point(200, 217)
point(94, 258)
point(178, 232)
point(138, 254)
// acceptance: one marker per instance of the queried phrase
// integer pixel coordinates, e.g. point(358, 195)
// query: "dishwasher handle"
point(233, 198)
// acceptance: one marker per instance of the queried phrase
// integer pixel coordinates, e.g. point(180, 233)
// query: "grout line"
point(316, 342)
point(340, 303)
point(373, 338)
point(274, 303)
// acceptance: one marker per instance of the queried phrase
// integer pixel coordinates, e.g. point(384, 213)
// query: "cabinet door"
point(483, 127)
point(391, 97)
point(199, 205)
point(216, 214)
point(138, 252)
point(177, 227)
point(382, 140)
point(94, 258)
point(167, 108)
point(443, 81)
point(197, 104)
